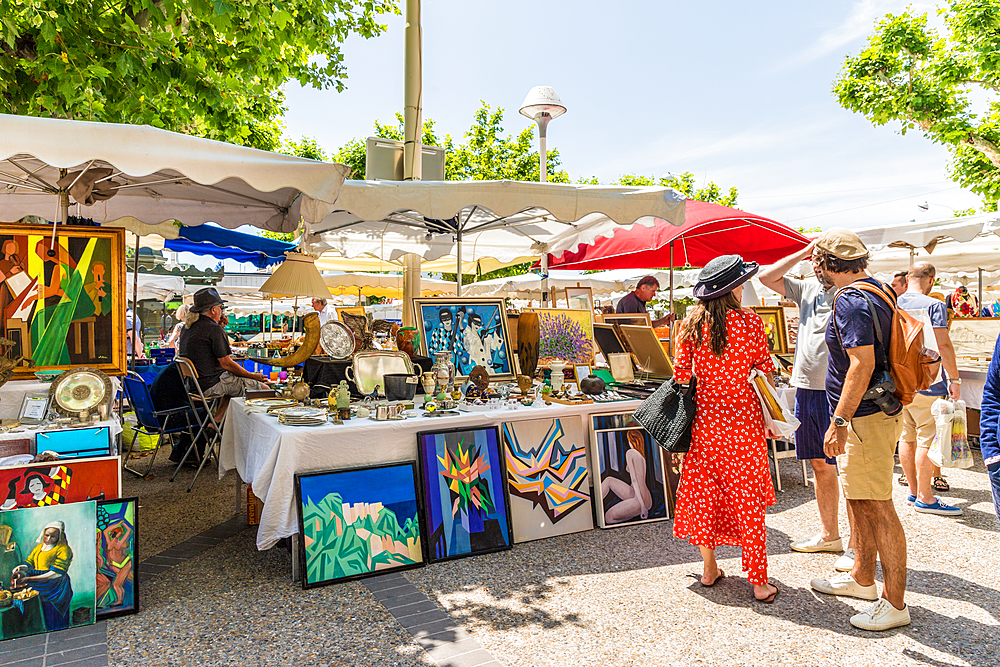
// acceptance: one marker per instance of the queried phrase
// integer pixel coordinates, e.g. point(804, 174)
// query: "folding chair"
point(204, 410)
point(160, 423)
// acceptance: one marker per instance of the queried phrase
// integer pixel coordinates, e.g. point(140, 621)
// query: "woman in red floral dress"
point(725, 485)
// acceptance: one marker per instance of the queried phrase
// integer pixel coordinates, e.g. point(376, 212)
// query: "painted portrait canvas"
point(60, 482)
point(474, 331)
point(548, 479)
point(47, 569)
point(117, 563)
point(62, 302)
point(630, 484)
point(566, 334)
point(774, 328)
point(358, 522)
point(465, 504)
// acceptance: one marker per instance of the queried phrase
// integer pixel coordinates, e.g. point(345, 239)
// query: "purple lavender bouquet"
point(563, 338)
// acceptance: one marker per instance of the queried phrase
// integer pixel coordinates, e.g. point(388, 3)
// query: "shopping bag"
point(950, 448)
point(780, 423)
point(146, 442)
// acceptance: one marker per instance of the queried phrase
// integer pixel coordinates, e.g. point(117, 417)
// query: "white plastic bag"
point(950, 448)
point(780, 430)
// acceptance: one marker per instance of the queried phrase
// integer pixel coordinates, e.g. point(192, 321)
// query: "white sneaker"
point(881, 616)
point(816, 543)
point(844, 584)
point(846, 562)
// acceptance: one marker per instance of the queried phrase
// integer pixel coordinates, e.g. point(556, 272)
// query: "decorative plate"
point(337, 340)
point(270, 403)
point(301, 412)
point(80, 389)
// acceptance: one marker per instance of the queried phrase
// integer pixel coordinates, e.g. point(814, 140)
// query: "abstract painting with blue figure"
point(473, 330)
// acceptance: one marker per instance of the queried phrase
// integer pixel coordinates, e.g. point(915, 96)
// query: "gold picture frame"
point(636, 319)
point(774, 328)
point(64, 299)
point(476, 333)
point(350, 310)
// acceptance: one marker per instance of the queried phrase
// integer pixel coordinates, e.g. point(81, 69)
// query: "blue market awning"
point(226, 244)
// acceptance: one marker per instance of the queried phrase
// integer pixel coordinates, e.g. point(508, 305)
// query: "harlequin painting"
point(47, 569)
point(117, 577)
point(465, 504)
point(474, 331)
point(358, 522)
point(62, 302)
point(547, 477)
point(60, 482)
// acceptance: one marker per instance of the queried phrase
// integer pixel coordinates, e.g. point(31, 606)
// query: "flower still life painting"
point(566, 334)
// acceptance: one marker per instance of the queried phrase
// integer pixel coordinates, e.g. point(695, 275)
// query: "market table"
point(12, 395)
point(267, 454)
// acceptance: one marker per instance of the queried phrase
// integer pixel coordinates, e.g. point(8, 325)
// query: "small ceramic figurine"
point(479, 384)
point(344, 400)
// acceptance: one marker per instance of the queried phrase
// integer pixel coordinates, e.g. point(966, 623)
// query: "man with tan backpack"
point(877, 363)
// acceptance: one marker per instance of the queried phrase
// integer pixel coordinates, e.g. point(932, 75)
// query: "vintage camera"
point(882, 391)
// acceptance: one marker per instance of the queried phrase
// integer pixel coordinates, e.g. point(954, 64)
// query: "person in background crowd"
point(636, 300)
point(133, 334)
point(205, 343)
point(725, 484)
point(898, 283)
point(815, 301)
point(319, 305)
point(989, 423)
point(861, 435)
point(181, 314)
point(918, 422)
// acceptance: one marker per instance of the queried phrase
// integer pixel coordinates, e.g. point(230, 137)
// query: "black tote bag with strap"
point(668, 415)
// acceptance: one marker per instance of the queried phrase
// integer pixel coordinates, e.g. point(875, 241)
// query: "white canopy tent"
point(381, 284)
point(154, 176)
point(161, 288)
point(926, 235)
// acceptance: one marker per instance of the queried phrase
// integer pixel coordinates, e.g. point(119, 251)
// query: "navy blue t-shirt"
point(852, 326)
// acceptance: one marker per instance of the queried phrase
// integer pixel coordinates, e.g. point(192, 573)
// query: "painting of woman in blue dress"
point(46, 570)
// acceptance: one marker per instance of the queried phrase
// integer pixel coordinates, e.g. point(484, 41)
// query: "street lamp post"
point(542, 105)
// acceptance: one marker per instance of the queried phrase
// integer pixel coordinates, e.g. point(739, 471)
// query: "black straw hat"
point(722, 275)
point(205, 298)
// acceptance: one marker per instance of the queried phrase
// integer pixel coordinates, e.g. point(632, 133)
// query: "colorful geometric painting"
point(547, 477)
point(117, 564)
point(56, 483)
point(631, 486)
point(63, 302)
point(48, 569)
point(466, 510)
point(358, 522)
point(566, 334)
point(474, 331)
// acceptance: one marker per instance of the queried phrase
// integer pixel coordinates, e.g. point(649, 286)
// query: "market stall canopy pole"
point(709, 230)
point(118, 171)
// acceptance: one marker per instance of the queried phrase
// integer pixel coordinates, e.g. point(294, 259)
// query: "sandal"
point(717, 579)
point(902, 480)
point(940, 484)
point(770, 598)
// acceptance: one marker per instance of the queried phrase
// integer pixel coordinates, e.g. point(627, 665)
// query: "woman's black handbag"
point(668, 414)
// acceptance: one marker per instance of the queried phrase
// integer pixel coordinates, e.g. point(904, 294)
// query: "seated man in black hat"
point(205, 343)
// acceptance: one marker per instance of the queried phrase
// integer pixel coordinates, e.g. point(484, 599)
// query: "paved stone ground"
point(614, 597)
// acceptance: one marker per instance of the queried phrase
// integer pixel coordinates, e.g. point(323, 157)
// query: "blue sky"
point(735, 92)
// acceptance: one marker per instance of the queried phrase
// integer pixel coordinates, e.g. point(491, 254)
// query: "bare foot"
point(765, 593)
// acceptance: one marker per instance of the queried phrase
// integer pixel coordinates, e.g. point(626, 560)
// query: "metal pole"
point(980, 293)
point(135, 298)
point(670, 345)
point(543, 158)
point(545, 279)
point(412, 93)
point(458, 251)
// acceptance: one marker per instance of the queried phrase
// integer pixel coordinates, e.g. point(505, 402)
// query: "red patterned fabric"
point(726, 485)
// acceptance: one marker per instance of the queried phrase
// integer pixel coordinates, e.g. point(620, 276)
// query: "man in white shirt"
point(319, 305)
point(815, 301)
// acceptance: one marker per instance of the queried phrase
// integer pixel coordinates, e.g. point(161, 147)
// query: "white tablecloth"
point(12, 395)
point(267, 454)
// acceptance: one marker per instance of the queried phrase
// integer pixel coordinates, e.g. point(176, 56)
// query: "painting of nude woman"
point(631, 485)
point(116, 558)
point(62, 301)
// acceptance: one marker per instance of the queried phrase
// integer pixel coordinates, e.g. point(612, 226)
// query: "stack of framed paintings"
point(473, 330)
point(60, 482)
point(548, 479)
point(358, 522)
point(463, 485)
point(631, 483)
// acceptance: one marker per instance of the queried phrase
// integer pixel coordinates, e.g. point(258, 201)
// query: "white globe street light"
point(542, 105)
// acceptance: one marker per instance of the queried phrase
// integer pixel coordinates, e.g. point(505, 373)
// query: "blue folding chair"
point(161, 423)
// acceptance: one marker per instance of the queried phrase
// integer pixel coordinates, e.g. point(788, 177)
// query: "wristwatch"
point(840, 422)
point(954, 380)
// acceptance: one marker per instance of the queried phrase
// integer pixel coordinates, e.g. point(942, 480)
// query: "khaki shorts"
point(866, 468)
point(918, 423)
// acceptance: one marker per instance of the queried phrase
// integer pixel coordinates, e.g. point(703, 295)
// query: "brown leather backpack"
point(912, 365)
